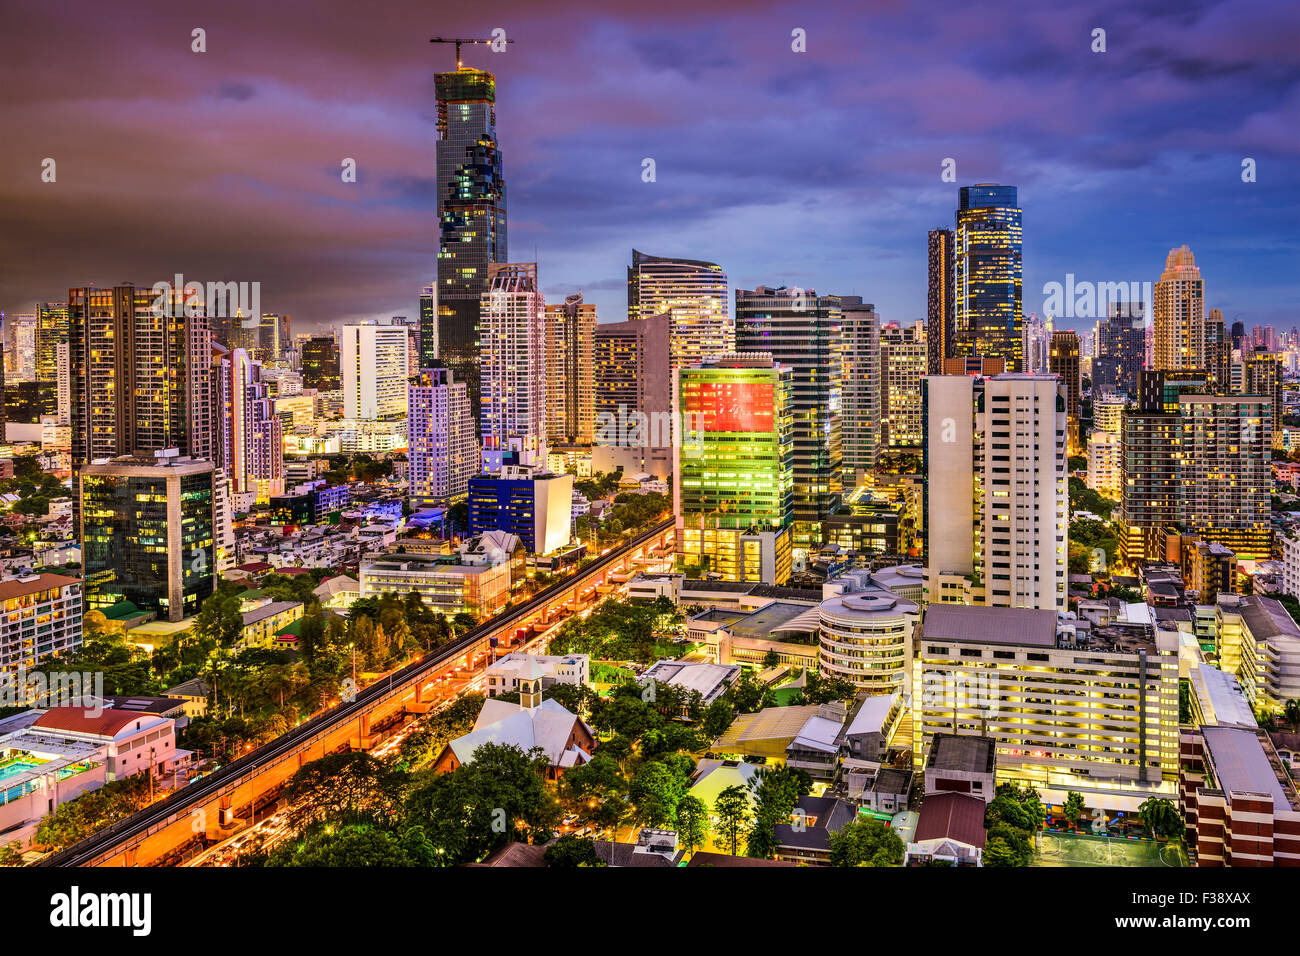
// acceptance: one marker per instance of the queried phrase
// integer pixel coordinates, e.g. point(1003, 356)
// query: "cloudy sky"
point(820, 169)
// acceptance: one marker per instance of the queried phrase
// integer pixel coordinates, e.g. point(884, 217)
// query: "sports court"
point(1065, 849)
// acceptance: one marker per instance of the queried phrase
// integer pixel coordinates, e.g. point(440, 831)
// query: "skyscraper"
point(1122, 337)
point(471, 216)
point(140, 377)
point(940, 309)
point(428, 351)
point(252, 439)
point(443, 452)
point(996, 504)
point(1264, 377)
point(1197, 463)
point(320, 364)
point(570, 413)
point(373, 366)
point(147, 533)
point(693, 293)
point(633, 397)
point(903, 358)
point(1063, 361)
point(860, 340)
point(733, 480)
point(801, 331)
point(1179, 313)
point(987, 275)
point(51, 328)
point(512, 367)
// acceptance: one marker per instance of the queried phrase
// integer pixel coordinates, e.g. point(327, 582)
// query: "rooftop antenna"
point(470, 40)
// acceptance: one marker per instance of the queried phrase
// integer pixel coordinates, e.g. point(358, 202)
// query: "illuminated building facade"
point(693, 293)
point(512, 367)
point(940, 306)
point(987, 275)
point(570, 409)
point(471, 216)
point(252, 441)
point(633, 397)
point(1178, 321)
point(733, 480)
point(1063, 362)
point(443, 452)
point(320, 364)
point(903, 361)
point(373, 363)
point(1122, 337)
point(860, 344)
point(147, 533)
point(800, 330)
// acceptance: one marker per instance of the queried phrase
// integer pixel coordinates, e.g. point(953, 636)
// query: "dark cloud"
point(820, 168)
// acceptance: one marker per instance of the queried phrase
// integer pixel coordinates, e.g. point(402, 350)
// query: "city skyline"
point(1096, 144)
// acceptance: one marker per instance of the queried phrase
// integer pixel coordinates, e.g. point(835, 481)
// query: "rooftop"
point(961, 752)
point(1244, 761)
point(1027, 627)
point(952, 816)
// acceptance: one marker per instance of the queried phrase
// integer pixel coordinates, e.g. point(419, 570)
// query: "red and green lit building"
point(733, 484)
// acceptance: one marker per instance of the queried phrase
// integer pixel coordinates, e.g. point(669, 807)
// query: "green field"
point(1060, 849)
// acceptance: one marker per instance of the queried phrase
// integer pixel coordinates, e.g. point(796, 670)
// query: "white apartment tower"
point(996, 497)
point(512, 367)
point(373, 368)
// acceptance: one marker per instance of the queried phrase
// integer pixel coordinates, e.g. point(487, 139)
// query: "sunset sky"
point(820, 169)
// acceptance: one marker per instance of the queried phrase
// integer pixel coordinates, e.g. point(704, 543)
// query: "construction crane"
point(470, 40)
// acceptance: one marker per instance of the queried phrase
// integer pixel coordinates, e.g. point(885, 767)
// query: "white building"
point(373, 368)
point(1105, 463)
point(864, 638)
point(996, 495)
point(503, 676)
point(40, 616)
point(512, 367)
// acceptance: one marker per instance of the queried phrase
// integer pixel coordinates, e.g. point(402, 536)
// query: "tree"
point(350, 787)
point(731, 807)
point(1291, 712)
point(1161, 817)
point(692, 822)
point(655, 791)
point(866, 843)
point(997, 852)
point(777, 790)
point(1074, 806)
point(771, 659)
point(350, 845)
point(219, 619)
point(11, 854)
point(572, 851)
point(717, 718)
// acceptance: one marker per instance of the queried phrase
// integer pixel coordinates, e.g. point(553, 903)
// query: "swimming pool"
point(14, 767)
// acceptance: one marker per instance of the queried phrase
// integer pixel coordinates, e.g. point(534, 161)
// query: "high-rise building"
point(1179, 313)
point(633, 397)
point(320, 364)
point(512, 367)
point(139, 377)
point(860, 338)
point(1218, 352)
point(20, 347)
point(1198, 464)
point(52, 327)
point(147, 533)
point(903, 359)
point(272, 337)
point(996, 503)
point(733, 478)
point(1264, 377)
point(471, 216)
point(940, 306)
point(800, 330)
point(252, 440)
point(987, 275)
point(373, 366)
point(529, 502)
point(570, 412)
point(693, 293)
point(428, 350)
point(1063, 362)
point(443, 452)
point(1122, 338)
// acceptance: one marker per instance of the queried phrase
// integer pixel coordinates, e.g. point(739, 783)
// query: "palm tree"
point(1291, 711)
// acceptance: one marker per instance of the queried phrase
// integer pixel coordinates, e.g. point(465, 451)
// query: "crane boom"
point(470, 40)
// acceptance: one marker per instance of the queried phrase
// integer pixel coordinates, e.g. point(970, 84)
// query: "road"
point(209, 808)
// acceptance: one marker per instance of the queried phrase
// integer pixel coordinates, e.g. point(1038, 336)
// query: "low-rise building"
point(40, 618)
point(443, 582)
point(960, 763)
point(503, 676)
point(950, 830)
point(710, 681)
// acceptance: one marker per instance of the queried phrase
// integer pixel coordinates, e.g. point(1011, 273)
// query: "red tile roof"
point(108, 724)
point(44, 582)
point(955, 816)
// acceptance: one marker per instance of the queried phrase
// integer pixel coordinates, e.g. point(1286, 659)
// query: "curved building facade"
point(865, 637)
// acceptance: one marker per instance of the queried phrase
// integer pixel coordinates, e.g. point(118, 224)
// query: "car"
point(570, 820)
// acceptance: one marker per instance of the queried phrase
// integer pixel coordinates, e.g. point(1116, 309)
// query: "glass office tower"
point(987, 275)
point(471, 216)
